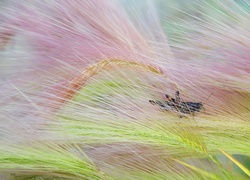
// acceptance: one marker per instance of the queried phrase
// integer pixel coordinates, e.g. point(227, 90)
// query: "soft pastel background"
point(76, 78)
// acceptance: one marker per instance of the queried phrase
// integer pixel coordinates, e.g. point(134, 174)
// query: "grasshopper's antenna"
point(206, 101)
point(207, 98)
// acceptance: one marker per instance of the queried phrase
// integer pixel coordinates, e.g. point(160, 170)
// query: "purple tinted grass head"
point(65, 28)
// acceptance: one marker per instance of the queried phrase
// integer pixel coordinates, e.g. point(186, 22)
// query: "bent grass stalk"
point(92, 70)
